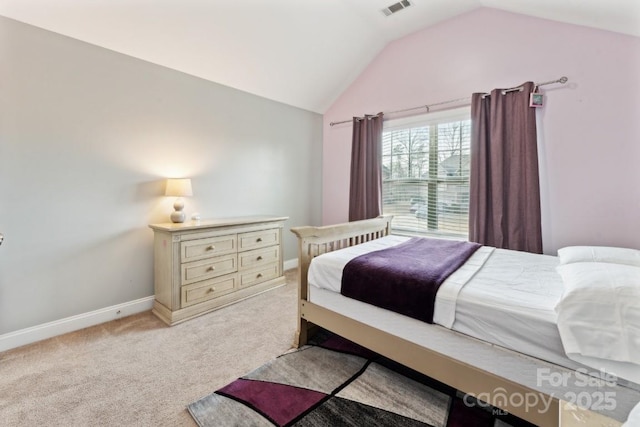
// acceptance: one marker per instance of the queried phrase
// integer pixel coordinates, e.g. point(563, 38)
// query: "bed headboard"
point(331, 237)
point(314, 241)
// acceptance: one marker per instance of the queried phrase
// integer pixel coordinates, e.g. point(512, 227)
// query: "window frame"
point(402, 223)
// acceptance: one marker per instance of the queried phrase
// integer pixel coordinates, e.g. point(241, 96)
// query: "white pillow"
point(634, 417)
point(626, 256)
point(599, 311)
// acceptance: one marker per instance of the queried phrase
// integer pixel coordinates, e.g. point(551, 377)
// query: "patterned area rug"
point(337, 383)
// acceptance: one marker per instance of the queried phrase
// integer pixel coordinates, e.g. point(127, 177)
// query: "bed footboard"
point(314, 241)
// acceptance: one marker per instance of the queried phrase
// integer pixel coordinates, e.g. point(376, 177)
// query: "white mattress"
point(499, 296)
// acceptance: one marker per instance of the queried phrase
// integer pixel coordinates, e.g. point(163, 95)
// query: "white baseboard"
point(290, 263)
point(69, 324)
point(73, 323)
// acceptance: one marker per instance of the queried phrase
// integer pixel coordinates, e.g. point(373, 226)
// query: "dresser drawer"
point(208, 268)
point(193, 250)
point(253, 277)
point(201, 266)
point(258, 239)
point(258, 257)
point(207, 289)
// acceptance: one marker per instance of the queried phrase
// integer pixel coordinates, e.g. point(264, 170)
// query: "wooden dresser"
point(202, 266)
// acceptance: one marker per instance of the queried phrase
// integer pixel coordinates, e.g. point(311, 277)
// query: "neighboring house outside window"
point(425, 173)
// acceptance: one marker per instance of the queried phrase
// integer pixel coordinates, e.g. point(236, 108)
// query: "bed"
point(486, 343)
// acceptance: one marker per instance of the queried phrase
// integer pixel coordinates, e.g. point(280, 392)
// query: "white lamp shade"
point(178, 187)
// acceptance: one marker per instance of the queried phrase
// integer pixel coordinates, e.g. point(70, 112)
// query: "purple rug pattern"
point(337, 383)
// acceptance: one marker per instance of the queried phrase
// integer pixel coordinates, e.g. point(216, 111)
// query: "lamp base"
point(178, 216)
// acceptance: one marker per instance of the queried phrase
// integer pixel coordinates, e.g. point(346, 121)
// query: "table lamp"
point(179, 188)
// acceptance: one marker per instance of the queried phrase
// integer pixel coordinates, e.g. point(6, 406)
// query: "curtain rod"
point(562, 80)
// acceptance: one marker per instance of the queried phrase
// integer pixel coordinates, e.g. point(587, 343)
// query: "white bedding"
point(634, 417)
point(599, 316)
point(503, 297)
point(516, 311)
point(325, 272)
point(599, 313)
point(510, 302)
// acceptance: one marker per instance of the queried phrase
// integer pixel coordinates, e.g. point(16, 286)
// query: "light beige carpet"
point(137, 371)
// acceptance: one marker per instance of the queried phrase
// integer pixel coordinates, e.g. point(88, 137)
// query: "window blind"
point(425, 173)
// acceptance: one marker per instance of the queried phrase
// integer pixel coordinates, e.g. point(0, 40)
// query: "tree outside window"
point(425, 169)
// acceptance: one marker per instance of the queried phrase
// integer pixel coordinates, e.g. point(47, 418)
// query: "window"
point(425, 173)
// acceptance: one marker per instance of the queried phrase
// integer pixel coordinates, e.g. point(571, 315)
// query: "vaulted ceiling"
point(300, 52)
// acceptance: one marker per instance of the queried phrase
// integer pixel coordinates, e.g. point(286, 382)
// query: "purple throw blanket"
point(405, 278)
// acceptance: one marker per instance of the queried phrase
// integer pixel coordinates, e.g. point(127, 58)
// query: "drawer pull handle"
point(259, 275)
point(211, 268)
point(259, 239)
point(212, 289)
point(210, 248)
point(260, 257)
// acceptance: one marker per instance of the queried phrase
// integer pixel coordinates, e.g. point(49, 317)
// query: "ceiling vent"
point(396, 7)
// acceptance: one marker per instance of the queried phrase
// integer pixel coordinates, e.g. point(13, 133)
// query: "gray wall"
point(87, 137)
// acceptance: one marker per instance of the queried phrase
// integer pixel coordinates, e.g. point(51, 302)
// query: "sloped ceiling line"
point(304, 54)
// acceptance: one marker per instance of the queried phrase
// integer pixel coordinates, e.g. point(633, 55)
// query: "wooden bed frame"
point(463, 376)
